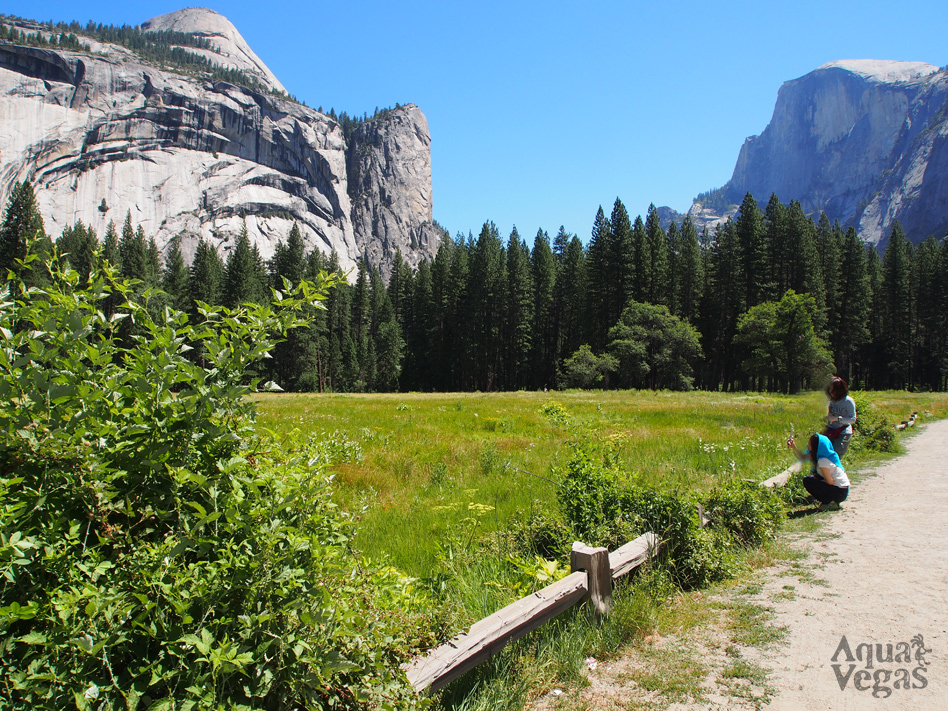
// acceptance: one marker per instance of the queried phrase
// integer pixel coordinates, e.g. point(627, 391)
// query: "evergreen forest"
point(771, 300)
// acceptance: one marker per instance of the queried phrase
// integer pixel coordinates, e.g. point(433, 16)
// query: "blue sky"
point(541, 112)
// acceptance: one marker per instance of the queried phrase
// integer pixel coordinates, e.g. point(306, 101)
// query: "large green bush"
point(872, 431)
point(608, 507)
point(154, 553)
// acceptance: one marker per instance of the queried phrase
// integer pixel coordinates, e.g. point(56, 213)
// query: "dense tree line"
point(770, 300)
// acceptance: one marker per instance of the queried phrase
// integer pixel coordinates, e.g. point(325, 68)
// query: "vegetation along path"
point(874, 573)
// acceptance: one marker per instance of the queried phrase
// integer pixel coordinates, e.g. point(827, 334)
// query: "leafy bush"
point(746, 510)
point(606, 508)
point(794, 493)
point(154, 553)
point(872, 431)
point(542, 534)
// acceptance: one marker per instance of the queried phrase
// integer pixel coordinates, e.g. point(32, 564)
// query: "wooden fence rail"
point(910, 422)
point(592, 568)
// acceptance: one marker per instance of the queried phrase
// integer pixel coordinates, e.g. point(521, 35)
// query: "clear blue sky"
point(541, 112)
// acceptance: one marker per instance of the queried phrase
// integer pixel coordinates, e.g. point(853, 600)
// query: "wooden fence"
point(910, 422)
point(591, 580)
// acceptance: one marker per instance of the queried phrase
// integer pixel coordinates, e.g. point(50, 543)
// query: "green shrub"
point(545, 534)
point(872, 431)
point(606, 508)
point(746, 510)
point(794, 494)
point(154, 553)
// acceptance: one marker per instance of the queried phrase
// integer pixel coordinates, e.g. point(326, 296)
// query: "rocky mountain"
point(866, 141)
point(106, 131)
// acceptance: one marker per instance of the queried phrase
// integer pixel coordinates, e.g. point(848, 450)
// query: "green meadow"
point(420, 469)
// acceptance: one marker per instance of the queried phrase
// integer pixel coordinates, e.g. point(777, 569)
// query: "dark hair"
point(814, 445)
point(837, 389)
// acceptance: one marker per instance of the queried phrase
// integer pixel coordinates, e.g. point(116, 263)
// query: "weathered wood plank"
point(632, 554)
point(595, 562)
point(488, 636)
point(783, 477)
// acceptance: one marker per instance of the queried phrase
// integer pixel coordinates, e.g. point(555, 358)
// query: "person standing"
point(840, 415)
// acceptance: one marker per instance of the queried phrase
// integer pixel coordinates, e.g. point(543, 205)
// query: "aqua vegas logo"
point(881, 669)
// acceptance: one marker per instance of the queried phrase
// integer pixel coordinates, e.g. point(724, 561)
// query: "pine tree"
point(850, 332)
point(388, 344)
point(656, 267)
point(487, 278)
point(78, 245)
point(672, 290)
point(343, 367)
point(750, 235)
point(205, 277)
point(828, 240)
point(897, 308)
point(295, 360)
point(626, 267)
point(360, 326)
point(722, 306)
point(806, 277)
point(399, 287)
point(289, 260)
point(780, 260)
point(518, 315)
point(928, 337)
point(133, 251)
point(245, 278)
point(573, 328)
point(22, 233)
point(543, 265)
point(174, 278)
point(110, 247)
point(152, 259)
point(313, 341)
point(873, 356)
point(690, 277)
point(420, 332)
point(601, 280)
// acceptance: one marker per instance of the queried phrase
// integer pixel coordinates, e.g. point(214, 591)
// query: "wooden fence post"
point(595, 561)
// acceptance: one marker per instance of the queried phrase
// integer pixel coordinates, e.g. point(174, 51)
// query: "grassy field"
point(418, 468)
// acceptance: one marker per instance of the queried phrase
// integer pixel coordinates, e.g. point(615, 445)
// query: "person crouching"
point(827, 482)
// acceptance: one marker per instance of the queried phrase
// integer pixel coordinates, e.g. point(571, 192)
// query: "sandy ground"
point(882, 579)
point(876, 573)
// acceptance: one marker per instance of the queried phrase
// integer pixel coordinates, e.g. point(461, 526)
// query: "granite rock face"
point(862, 140)
point(389, 170)
point(102, 134)
point(233, 52)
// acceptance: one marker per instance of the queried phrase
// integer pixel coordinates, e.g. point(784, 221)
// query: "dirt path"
point(875, 572)
point(882, 579)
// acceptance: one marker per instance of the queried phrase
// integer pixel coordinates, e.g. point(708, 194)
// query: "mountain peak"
point(233, 52)
point(884, 70)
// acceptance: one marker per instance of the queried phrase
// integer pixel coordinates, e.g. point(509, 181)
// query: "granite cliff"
point(865, 141)
point(104, 132)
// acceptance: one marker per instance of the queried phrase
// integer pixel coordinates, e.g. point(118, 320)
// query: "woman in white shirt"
point(827, 482)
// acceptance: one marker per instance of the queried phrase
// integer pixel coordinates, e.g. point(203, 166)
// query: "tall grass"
point(447, 487)
point(420, 469)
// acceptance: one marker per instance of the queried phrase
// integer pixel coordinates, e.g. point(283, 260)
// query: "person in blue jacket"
point(827, 481)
